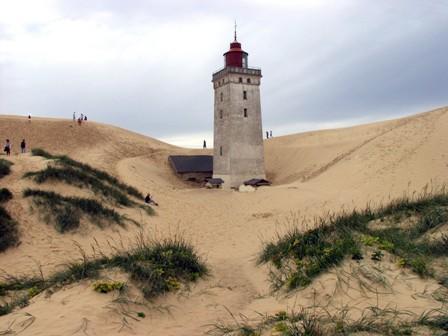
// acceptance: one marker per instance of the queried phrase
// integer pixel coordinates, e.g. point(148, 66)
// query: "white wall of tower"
point(238, 139)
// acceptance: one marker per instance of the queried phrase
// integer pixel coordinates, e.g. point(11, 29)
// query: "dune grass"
point(9, 235)
point(89, 170)
point(156, 267)
point(5, 167)
point(318, 321)
point(298, 257)
point(81, 179)
point(67, 211)
point(5, 195)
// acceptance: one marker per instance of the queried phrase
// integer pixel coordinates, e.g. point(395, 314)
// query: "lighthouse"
point(238, 140)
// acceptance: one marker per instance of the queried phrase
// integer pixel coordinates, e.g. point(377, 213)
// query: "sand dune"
point(312, 173)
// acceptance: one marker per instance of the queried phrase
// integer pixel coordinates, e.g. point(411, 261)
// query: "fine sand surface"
point(312, 173)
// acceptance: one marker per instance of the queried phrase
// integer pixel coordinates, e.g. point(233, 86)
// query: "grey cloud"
point(322, 64)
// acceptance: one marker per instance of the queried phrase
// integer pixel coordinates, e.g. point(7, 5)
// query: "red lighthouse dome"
point(235, 57)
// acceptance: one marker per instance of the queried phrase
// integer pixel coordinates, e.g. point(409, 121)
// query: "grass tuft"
point(5, 167)
point(108, 286)
point(317, 321)
point(5, 195)
point(298, 257)
point(79, 178)
point(67, 211)
point(87, 169)
point(155, 267)
point(9, 235)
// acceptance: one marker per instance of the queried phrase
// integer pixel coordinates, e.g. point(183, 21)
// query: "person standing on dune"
point(23, 146)
point(7, 148)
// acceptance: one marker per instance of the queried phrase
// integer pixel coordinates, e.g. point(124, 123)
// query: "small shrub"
point(386, 245)
point(33, 291)
point(402, 262)
point(141, 314)
point(5, 195)
point(430, 219)
point(377, 256)
point(41, 152)
point(6, 308)
point(67, 218)
point(444, 243)
point(108, 286)
point(313, 252)
point(5, 167)
point(370, 240)
point(420, 266)
point(439, 321)
point(162, 266)
point(9, 235)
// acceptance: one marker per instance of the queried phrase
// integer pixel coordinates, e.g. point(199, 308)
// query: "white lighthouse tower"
point(238, 140)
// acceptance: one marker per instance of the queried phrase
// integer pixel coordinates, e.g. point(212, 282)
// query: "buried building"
point(192, 168)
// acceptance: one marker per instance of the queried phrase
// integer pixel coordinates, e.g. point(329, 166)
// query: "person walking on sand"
point(74, 116)
point(23, 146)
point(267, 135)
point(7, 148)
point(204, 145)
point(270, 134)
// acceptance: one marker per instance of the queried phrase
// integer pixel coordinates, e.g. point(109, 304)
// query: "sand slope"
point(313, 173)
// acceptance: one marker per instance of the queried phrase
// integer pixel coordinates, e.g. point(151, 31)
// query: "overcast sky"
point(147, 65)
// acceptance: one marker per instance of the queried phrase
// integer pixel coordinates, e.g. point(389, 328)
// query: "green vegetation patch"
point(67, 211)
point(5, 195)
point(9, 235)
point(318, 321)
point(155, 267)
point(108, 286)
point(81, 179)
point(5, 167)
point(298, 257)
point(89, 170)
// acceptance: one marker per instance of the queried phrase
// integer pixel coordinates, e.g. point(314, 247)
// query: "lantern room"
point(235, 57)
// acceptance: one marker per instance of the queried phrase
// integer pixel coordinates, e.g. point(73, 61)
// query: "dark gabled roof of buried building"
point(257, 182)
point(191, 163)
